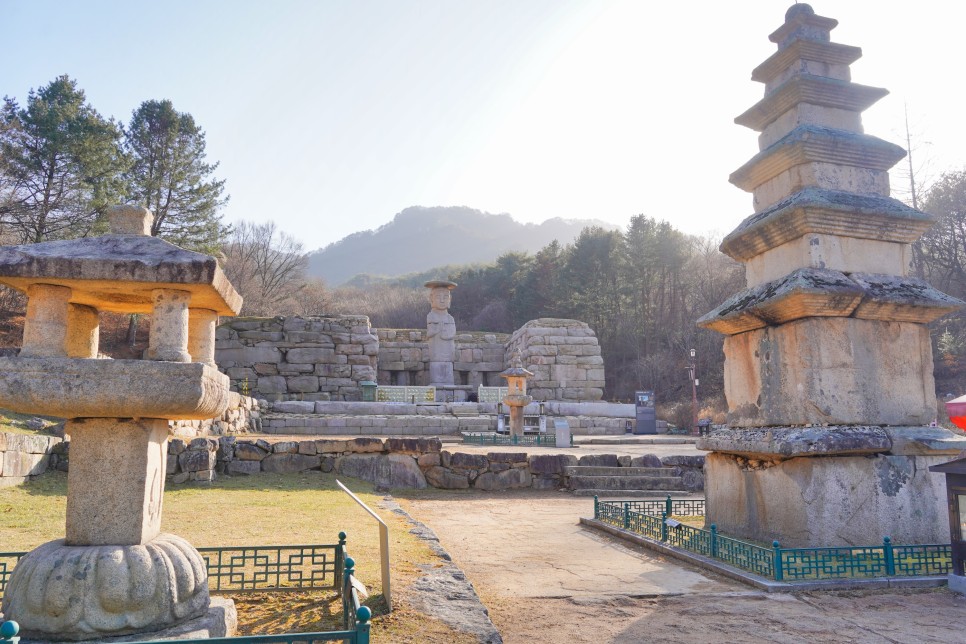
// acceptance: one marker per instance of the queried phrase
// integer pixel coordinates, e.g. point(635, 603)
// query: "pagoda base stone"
point(832, 499)
point(221, 620)
point(60, 592)
point(834, 371)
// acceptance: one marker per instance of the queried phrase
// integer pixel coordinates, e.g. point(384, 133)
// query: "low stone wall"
point(192, 460)
point(243, 415)
point(313, 358)
point(564, 357)
point(388, 463)
point(413, 463)
point(24, 456)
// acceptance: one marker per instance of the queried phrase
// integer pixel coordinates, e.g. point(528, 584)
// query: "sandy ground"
point(546, 579)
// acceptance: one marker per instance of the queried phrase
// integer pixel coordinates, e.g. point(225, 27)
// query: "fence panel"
point(693, 539)
point(644, 524)
point(833, 563)
point(272, 567)
point(746, 555)
point(916, 560)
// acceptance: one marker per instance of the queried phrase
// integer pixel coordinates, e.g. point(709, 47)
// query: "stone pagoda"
point(828, 362)
point(115, 573)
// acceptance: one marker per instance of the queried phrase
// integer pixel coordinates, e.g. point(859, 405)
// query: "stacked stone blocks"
point(563, 355)
point(326, 358)
point(24, 456)
point(314, 358)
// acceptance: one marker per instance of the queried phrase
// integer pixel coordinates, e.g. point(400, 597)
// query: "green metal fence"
point(355, 617)
point(493, 438)
point(650, 518)
point(7, 562)
point(248, 568)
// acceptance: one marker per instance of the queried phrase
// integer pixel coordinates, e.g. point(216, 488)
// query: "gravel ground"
point(545, 579)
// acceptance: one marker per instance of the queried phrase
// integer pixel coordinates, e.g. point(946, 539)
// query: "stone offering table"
point(115, 573)
point(828, 361)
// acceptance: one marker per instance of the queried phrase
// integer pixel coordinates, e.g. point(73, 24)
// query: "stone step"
point(595, 470)
point(626, 494)
point(663, 483)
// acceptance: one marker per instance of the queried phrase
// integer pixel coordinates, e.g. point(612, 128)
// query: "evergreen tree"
point(170, 176)
point(61, 164)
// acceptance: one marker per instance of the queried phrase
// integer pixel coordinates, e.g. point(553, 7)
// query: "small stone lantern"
point(115, 573)
point(955, 472)
point(516, 398)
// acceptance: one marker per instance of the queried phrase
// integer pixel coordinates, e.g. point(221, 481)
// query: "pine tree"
point(170, 176)
point(61, 164)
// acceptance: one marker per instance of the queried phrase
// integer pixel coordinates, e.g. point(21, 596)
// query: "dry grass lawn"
point(266, 509)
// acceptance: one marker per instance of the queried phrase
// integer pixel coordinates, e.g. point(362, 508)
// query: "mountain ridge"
point(420, 238)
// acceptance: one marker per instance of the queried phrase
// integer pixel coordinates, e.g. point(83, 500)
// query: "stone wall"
point(400, 462)
point(296, 358)
point(480, 357)
point(403, 358)
point(325, 358)
point(564, 357)
point(412, 462)
point(24, 456)
point(243, 415)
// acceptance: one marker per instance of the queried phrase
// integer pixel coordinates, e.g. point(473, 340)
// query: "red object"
point(956, 408)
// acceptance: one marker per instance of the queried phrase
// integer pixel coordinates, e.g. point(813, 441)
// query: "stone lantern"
point(516, 398)
point(115, 573)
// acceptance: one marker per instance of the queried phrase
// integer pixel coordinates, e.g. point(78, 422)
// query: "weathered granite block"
point(442, 478)
point(599, 460)
point(463, 461)
point(511, 478)
point(288, 463)
point(196, 460)
point(244, 467)
point(249, 452)
point(545, 464)
point(834, 371)
point(413, 445)
point(839, 500)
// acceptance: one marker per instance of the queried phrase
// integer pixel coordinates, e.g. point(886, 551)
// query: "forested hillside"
point(421, 238)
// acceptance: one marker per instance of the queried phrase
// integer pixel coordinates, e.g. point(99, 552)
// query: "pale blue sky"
point(330, 117)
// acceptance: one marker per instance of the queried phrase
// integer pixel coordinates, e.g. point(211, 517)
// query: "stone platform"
point(440, 419)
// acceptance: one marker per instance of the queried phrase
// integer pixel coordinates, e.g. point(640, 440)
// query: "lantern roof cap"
point(516, 368)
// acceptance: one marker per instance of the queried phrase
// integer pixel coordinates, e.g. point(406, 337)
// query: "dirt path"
point(545, 579)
